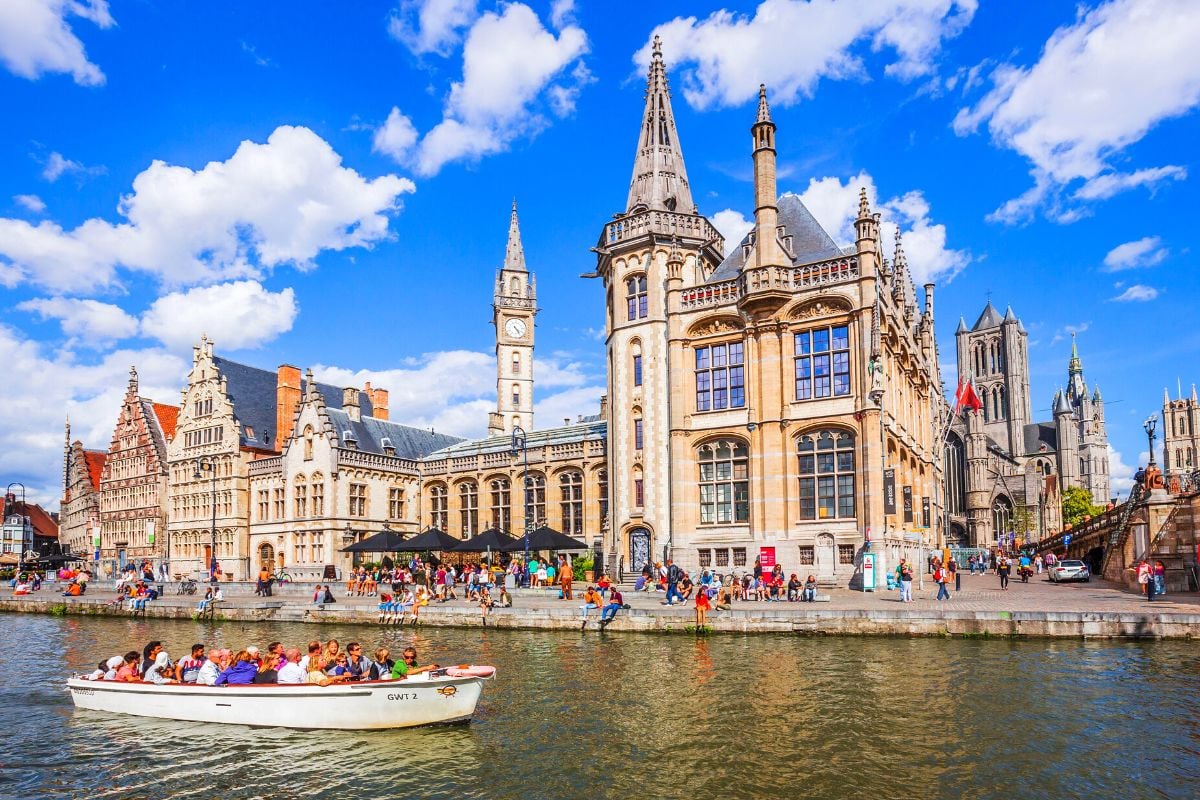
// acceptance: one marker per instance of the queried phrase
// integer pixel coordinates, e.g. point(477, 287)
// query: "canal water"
point(588, 715)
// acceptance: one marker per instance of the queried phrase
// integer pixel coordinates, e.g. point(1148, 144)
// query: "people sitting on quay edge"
point(703, 606)
point(591, 599)
point(211, 595)
point(615, 603)
point(810, 589)
point(794, 587)
point(505, 599)
point(187, 670)
point(686, 587)
point(603, 584)
point(724, 601)
point(240, 673)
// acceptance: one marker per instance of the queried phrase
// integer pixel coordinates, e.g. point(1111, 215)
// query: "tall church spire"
point(514, 255)
point(659, 178)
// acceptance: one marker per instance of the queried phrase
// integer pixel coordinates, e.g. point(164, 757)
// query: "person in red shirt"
point(703, 605)
point(129, 670)
point(615, 603)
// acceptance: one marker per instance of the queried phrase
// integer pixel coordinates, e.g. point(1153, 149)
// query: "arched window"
point(637, 364)
point(1002, 403)
point(637, 429)
point(570, 492)
point(639, 488)
point(1002, 521)
point(537, 498)
point(308, 442)
point(501, 504)
point(438, 506)
point(516, 396)
point(956, 467)
point(724, 481)
point(602, 494)
point(826, 474)
point(301, 492)
point(516, 363)
point(635, 297)
point(1178, 457)
point(468, 509)
point(318, 494)
point(515, 287)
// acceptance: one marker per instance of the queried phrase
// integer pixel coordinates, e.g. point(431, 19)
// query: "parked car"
point(1065, 571)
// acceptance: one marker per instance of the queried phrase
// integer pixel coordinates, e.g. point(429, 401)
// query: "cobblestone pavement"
point(979, 593)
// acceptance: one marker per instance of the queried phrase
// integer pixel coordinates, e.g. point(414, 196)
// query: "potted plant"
point(585, 565)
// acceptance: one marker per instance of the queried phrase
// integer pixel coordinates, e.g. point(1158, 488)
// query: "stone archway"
point(266, 556)
point(639, 549)
point(825, 555)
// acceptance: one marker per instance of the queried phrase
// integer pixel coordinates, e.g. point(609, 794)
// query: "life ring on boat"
point(470, 671)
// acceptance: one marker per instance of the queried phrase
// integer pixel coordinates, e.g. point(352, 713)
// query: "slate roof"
point(990, 318)
point(253, 394)
point(369, 433)
point(810, 242)
point(1038, 433)
point(590, 428)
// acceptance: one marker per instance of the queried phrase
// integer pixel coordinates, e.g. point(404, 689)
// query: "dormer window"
point(388, 448)
point(349, 439)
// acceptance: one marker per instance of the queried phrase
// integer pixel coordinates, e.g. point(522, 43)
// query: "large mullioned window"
point(822, 362)
point(724, 482)
point(720, 377)
point(636, 303)
point(826, 474)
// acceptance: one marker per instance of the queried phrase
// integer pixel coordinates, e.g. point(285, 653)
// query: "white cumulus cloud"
point(1136, 294)
point(431, 26)
point(1145, 252)
point(509, 60)
point(792, 44)
point(395, 137)
point(89, 323)
point(1120, 474)
point(279, 202)
point(733, 225)
point(30, 202)
point(239, 315)
point(36, 38)
point(1101, 84)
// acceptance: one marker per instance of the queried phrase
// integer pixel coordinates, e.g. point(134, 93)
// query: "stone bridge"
point(1152, 524)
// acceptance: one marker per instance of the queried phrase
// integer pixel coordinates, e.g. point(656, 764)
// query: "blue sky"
point(330, 186)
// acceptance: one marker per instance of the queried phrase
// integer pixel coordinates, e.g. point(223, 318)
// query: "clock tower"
point(513, 310)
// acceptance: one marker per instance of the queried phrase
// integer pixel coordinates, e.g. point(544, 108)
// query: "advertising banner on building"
point(766, 557)
point(925, 513)
point(889, 491)
point(868, 566)
point(908, 504)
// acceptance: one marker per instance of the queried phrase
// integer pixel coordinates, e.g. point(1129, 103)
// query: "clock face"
point(515, 328)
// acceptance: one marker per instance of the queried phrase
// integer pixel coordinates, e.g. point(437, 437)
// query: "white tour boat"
point(423, 699)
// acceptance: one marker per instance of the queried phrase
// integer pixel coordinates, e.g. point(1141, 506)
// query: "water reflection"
point(581, 714)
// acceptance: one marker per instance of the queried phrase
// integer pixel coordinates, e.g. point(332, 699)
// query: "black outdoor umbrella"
point(431, 539)
point(545, 538)
point(491, 539)
point(386, 541)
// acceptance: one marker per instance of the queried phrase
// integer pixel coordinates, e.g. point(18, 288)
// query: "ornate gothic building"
point(757, 397)
point(1180, 433)
point(79, 511)
point(1005, 471)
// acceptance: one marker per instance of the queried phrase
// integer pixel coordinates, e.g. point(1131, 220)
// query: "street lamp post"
point(519, 442)
point(11, 497)
point(1149, 425)
point(204, 463)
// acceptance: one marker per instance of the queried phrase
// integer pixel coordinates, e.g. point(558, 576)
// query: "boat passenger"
point(407, 665)
point(356, 663)
point(275, 657)
point(255, 658)
point(188, 668)
point(149, 652)
point(317, 675)
point(160, 671)
point(128, 673)
point(332, 650)
point(314, 655)
point(98, 673)
point(111, 667)
point(291, 671)
point(241, 672)
point(381, 667)
point(211, 668)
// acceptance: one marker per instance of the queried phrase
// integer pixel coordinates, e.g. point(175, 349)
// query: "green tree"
point(1024, 522)
point(1077, 504)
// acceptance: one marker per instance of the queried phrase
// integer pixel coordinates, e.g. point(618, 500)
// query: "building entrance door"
point(825, 555)
point(266, 557)
point(639, 549)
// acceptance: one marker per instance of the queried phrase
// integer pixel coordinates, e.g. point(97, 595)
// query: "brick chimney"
point(350, 403)
point(287, 397)
point(379, 401)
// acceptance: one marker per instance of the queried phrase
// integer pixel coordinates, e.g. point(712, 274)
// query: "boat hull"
point(370, 705)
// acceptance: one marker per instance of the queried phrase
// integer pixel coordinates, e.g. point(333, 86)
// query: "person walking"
point(1003, 569)
point(939, 577)
point(566, 578)
point(1037, 563)
point(674, 575)
point(1151, 587)
point(1160, 578)
point(904, 576)
point(953, 565)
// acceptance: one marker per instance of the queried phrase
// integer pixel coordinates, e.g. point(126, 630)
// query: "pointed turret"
point(1075, 366)
point(659, 177)
point(766, 212)
point(1194, 393)
point(1061, 404)
point(962, 325)
point(1076, 386)
point(1010, 316)
point(514, 255)
point(1096, 398)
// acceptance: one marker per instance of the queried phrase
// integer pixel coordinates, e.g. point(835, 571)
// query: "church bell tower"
point(513, 310)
